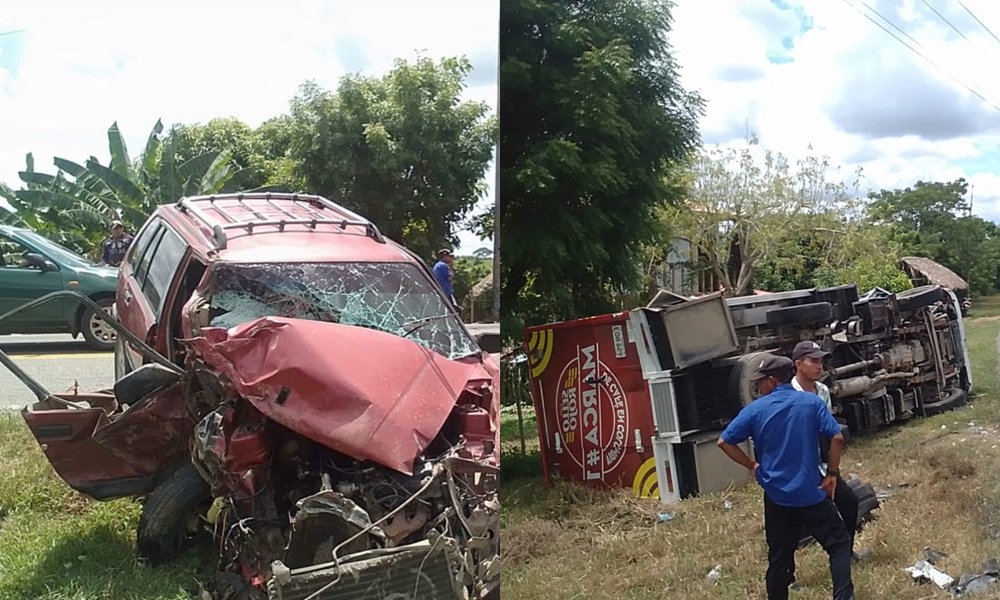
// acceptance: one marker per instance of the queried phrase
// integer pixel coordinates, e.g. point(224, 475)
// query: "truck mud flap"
point(867, 503)
point(421, 570)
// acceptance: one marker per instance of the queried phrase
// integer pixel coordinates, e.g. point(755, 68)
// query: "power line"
point(917, 52)
point(943, 18)
point(919, 45)
point(973, 15)
point(12, 32)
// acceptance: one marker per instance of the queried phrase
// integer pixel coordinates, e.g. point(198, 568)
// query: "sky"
point(818, 72)
point(80, 66)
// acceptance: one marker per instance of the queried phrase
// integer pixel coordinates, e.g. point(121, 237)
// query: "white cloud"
point(848, 88)
point(84, 65)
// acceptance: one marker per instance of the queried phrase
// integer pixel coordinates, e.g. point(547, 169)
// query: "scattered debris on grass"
point(925, 570)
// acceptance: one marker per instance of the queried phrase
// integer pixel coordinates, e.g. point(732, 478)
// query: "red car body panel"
point(97, 456)
point(367, 394)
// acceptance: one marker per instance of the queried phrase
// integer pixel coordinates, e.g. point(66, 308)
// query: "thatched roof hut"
point(482, 286)
point(924, 271)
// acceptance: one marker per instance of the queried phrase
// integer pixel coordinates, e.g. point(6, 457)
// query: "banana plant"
point(77, 204)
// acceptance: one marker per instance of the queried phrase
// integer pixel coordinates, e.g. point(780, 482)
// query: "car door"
point(20, 283)
point(137, 316)
point(146, 288)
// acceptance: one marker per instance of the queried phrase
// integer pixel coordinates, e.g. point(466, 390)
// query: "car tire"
point(163, 522)
point(96, 332)
point(920, 297)
point(740, 386)
point(816, 312)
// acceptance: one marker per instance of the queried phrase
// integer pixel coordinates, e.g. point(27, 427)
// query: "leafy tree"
point(867, 272)
point(930, 219)
point(593, 118)
point(757, 218)
point(264, 151)
point(402, 149)
point(76, 205)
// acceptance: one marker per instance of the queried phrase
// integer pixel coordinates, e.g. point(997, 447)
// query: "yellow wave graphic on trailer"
point(645, 484)
point(539, 351)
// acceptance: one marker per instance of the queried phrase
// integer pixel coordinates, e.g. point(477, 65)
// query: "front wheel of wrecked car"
point(163, 524)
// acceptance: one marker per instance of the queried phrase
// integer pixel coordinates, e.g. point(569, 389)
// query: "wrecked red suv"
point(312, 401)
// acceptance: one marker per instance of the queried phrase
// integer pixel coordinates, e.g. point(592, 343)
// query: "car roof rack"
point(343, 217)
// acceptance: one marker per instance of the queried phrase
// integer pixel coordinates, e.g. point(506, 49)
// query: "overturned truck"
point(893, 356)
point(638, 399)
point(319, 472)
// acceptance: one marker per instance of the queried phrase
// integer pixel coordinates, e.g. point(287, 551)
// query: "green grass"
point(988, 306)
point(57, 545)
point(570, 542)
point(509, 429)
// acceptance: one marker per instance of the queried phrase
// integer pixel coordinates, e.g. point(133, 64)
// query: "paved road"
point(57, 362)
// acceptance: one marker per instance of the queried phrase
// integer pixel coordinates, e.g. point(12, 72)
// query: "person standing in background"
point(808, 357)
point(444, 275)
point(115, 246)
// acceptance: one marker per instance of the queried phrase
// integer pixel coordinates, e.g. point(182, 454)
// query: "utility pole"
point(496, 204)
point(972, 196)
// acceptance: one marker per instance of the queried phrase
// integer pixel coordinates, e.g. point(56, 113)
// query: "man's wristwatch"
point(832, 472)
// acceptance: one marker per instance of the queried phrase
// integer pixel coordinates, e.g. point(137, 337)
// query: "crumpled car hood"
point(365, 393)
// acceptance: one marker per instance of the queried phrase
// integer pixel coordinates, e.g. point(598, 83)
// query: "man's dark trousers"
point(847, 505)
point(782, 528)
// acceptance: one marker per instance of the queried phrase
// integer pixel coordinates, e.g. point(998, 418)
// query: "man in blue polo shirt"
point(443, 274)
point(786, 426)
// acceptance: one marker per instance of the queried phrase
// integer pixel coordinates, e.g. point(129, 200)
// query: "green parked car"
point(32, 266)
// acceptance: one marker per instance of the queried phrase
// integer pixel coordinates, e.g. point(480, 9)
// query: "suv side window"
point(142, 241)
point(147, 256)
point(166, 258)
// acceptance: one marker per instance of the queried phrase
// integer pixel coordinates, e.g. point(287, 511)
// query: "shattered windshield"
point(390, 297)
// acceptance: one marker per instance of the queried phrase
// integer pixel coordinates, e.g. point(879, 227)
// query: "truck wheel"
point(816, 312)
point(164, 518)
point(954, 398)
point(740, 385)
point(96, 331)
point(920, 297)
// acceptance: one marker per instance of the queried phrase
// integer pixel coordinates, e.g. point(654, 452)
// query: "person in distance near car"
point(115, 246)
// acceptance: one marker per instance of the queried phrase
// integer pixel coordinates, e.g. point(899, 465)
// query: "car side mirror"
point(39, 262)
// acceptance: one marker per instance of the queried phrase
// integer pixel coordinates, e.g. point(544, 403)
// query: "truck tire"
point(164, 518)
point(954, 398)
point(740, 386)
point(920, 297)
point(816, 312)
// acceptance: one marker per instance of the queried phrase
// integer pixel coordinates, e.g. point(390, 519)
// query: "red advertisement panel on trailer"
point(594, 414)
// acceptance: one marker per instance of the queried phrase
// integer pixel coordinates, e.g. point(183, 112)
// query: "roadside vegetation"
point(420, 149)
point(58, 545)
point(567, 541)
